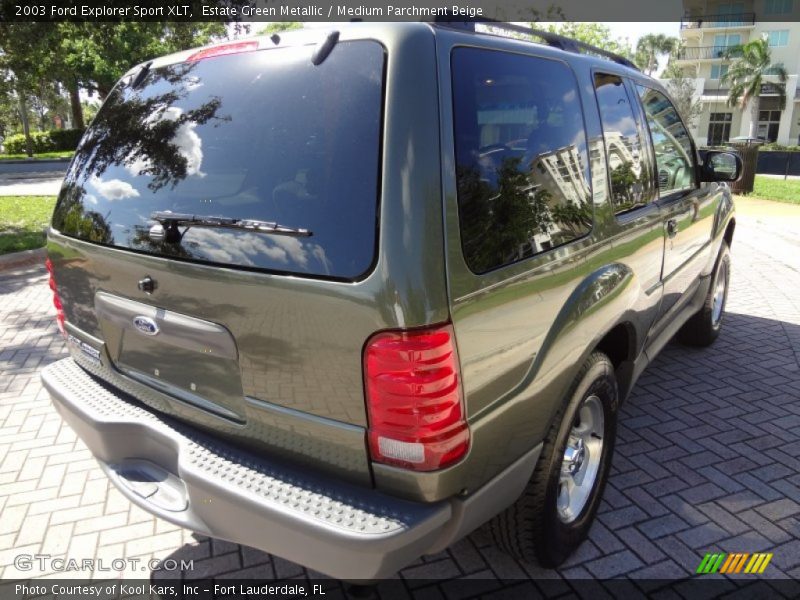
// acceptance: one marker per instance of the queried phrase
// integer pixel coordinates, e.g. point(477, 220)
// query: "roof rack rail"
point(551, 39)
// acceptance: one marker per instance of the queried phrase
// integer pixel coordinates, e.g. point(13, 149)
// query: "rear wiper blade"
point(170, 222)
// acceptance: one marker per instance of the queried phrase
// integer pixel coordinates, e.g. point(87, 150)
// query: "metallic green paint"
point(522, 331)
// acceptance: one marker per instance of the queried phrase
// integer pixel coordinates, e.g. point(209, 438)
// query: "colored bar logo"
point(737, 562)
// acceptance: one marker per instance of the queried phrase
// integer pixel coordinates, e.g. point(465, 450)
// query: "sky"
point(633, 31)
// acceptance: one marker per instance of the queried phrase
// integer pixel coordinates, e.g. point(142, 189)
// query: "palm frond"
point(752, 62)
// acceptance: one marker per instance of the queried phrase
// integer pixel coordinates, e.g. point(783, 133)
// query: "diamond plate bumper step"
point(190, 479)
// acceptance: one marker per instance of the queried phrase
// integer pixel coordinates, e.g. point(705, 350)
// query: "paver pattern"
point(708, 456)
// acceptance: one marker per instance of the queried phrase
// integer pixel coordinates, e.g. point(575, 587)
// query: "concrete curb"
point(30, 167)
point(31, 161)
point(32, 174)
point(25, 258)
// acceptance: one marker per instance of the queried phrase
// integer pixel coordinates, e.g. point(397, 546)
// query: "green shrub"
point(15, 144)
point(44, 141)
point(771, 147)
point(780, 147)
point(65, 139)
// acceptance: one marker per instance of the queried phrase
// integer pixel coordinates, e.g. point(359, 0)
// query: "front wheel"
point(704, 327)
point(554, 514)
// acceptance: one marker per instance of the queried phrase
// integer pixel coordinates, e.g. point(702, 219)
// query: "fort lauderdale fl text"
point(105, 590)
point(341, 10)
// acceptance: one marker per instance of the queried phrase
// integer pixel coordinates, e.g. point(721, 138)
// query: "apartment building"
point(707, 30)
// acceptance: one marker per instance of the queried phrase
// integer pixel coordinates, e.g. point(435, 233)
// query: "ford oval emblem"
point(146, 325)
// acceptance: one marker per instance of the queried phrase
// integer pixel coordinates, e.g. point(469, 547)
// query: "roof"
point(548, 38)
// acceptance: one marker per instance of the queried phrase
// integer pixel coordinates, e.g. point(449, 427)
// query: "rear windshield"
point(263, 136)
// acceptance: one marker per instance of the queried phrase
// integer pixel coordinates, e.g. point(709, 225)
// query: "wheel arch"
point(729, 229)
point(619, 343)
point(605, 302)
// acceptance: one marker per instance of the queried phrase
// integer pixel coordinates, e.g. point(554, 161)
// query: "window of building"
point(777, 7)
point(724, 41)
point(768, 124)
point(778, 38)
point(718, 71)
point(719, 128)
point(671, 142)
point(521, 156)
point(629, 177)
point(729, 15)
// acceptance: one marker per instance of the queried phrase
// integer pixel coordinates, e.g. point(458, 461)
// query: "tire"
point(538, 527)
point(704, 327)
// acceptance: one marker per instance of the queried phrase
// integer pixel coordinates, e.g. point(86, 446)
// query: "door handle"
point(672, 227)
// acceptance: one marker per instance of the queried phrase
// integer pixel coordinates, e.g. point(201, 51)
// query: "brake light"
point(56, 300)
point(224, 50)
point(414, 399)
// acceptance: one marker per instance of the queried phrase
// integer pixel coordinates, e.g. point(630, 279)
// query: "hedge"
point(771, 147)
point(780, 148)
point(55, 140)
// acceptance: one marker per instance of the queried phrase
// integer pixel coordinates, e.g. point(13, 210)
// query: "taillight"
point(56, 300)
point(224, 50)
point(414, 399)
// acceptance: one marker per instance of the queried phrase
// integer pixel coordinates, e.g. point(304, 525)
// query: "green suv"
point(347, 295)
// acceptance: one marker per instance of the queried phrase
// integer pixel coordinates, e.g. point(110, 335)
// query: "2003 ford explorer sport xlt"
point(347, 295)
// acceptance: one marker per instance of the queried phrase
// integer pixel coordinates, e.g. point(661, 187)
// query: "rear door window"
point(264, 136)
point(521, 158)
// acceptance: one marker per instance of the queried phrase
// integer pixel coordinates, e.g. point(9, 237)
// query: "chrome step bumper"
point(190, 479)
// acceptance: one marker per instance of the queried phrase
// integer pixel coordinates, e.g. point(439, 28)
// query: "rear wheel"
point(704, 327)
point(554, 514)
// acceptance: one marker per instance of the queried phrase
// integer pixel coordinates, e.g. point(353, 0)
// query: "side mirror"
point(721, 166)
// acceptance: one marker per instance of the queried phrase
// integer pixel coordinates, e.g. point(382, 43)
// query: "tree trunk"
point(26, 126)
point(748, 152)
point(753, 117)
point(75, 105)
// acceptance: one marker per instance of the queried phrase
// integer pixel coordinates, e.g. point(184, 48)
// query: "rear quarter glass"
point(262, 135)
point(522, 163)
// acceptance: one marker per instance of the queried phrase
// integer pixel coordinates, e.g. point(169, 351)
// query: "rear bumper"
point(193, 480)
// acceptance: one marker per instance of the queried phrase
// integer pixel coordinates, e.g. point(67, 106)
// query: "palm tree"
point(650, 47)
point(752, 64)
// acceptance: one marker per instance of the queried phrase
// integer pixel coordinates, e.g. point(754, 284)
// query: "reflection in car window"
point(521, 158)
point(671, 142)
point(628, 173)
point(263, 135)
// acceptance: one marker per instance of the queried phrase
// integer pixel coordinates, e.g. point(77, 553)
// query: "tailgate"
point(210, 236)
point(253, 336)
point(271, 361)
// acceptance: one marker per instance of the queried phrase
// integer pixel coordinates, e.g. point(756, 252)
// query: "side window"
point(629, 175)
point(671, 142)
point(521, 159)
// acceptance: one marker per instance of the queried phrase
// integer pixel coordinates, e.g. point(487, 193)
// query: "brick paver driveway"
point(708, 457)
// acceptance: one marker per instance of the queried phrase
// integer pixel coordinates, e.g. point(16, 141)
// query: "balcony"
point(720, 21)
point(714, 93)
point(705, 53)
